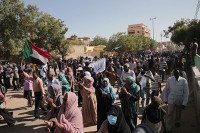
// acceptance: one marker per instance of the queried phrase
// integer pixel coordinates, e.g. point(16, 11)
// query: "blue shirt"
point(119, 71)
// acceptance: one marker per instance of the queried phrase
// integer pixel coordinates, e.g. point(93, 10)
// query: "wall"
point(195, 75)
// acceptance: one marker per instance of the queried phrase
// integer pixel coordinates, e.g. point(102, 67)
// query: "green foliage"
point(99, 41)
point(183, 31)
point(76, 42)
point(130, 43)
point(18, 23)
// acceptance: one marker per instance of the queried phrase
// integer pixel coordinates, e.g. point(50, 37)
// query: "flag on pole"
point(35, 54)
point(115, 48)
point(150, 51)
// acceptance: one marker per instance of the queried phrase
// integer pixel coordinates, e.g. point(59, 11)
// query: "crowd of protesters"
point(73, 83)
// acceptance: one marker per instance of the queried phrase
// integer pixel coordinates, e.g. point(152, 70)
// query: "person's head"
point(51, 92)
point(194, 40)
point(35, 75)
point(112, 116)
point(70, 101)
point(153, 70)
point(105, 82)
point(61, 76)
point(87, 64)
point(176, 74)
point(130, 80)
point(87, 73)
point(156, 102)
point(50, 76)
point(117, 64)
point(126, 67)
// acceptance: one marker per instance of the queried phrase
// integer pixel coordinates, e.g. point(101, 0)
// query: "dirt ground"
point(27, 124)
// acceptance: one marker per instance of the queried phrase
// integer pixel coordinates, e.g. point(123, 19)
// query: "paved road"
point(27, 124)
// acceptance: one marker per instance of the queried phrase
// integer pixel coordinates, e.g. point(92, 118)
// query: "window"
point(138, 31)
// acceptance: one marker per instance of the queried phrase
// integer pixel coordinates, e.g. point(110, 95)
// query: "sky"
point(89, 18)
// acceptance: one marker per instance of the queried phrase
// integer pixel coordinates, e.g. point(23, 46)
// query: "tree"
point(130, 43)
point(18, 23)
point(99, 41)
point(183, 32)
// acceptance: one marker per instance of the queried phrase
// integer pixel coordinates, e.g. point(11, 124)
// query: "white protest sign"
point(99, 66)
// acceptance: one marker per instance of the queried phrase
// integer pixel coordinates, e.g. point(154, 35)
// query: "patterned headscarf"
point(108, 89)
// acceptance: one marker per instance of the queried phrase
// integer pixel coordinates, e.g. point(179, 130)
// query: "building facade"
point(139, 29)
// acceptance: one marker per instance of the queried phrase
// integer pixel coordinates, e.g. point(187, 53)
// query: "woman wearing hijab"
point(129, 97)
point(153, 115)
point(56, 99)
point(70, 77)
point(65, 84)
point(69, 119)
point(115, 122)
point(89, 106)
point(106, 96)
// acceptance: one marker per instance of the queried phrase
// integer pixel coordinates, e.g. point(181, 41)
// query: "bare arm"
point(27, 76)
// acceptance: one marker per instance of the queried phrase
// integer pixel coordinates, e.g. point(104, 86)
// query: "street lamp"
point(153, 25)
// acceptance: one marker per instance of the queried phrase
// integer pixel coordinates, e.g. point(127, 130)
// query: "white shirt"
point(132, 66)
point(176, 91)
point(125, 75)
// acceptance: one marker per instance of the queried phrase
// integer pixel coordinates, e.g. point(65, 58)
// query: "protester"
point(55, 100)
point(70, 78)
point(153, 115)
point(194, 49)
point(89, 106)
point(162, 67)
point(119, 70)
point(110, 74)
point(64, 83)
point(38, 91)
point(156, 84)
point(127, 72)
point(15, 77)
point(115, 122)
point(69, 119)
point(143, 128)
point(28, 88)
point(176, 96)
point(51, 80)
point(55, 65)
point(106, 96)
point(4, 112)
point(129, 97)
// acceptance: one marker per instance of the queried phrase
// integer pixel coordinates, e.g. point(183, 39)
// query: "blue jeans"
point(145, 95)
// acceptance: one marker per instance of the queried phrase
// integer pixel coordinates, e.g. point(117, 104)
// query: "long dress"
point(104, 102)
point(89, 105)
point(130, 103)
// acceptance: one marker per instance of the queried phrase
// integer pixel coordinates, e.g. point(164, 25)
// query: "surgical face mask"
point(112, 119)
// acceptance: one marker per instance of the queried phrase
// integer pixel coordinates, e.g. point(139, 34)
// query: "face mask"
point(112, 119)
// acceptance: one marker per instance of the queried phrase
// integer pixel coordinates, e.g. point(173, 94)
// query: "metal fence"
point(197, 61)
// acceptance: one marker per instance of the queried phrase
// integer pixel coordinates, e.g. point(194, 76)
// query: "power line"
point(197, 10)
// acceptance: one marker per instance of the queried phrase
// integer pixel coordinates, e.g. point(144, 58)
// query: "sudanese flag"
point(35, 55)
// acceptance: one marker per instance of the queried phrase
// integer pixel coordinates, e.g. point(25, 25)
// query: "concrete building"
point(139, 29)
point(86, 40)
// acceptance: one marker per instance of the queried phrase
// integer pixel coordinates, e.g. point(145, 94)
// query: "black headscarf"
point(121, 126)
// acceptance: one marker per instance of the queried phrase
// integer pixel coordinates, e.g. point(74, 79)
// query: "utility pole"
point(161, 34)
point(152, 19)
